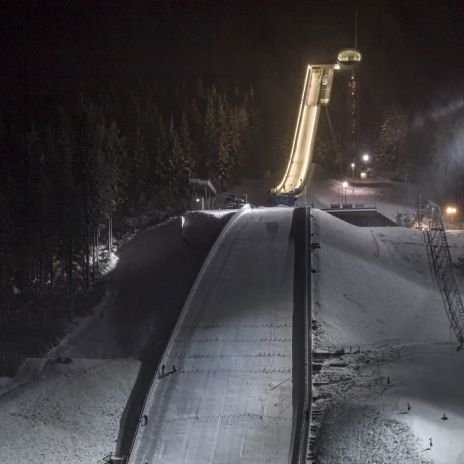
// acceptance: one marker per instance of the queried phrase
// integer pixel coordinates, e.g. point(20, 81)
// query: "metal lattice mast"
point(443, 266)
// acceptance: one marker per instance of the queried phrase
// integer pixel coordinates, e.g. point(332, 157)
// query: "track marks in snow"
point(353, 423)
point(376, 252)
point(353, 433)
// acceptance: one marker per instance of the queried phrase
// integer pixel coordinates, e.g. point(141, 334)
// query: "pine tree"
point(6, 229)
point(391, 146)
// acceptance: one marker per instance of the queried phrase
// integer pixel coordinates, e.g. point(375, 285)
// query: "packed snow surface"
point(229, 398)
point(396, 395)
point(373, 284)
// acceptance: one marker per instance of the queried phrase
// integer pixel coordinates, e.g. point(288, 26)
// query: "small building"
point(203, 194)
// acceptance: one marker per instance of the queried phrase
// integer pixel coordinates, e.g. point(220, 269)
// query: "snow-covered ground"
point(390, 198)
point(373, 284)
point(55, 413)
point(373, 292)
point(365, 406)
point(70, 413)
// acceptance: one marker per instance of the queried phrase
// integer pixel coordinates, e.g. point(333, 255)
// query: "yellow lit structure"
point(349, 56)
point(316, 93)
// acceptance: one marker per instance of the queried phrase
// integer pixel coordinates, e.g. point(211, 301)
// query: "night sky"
point(413, 51)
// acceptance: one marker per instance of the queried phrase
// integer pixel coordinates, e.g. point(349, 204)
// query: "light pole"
point(451, 213)
point(353, 165)
point(364, 171)
point(345, 185)
point(365, 159)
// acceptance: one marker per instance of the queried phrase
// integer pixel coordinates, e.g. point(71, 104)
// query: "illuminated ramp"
point(230, 399)
point(316, 93)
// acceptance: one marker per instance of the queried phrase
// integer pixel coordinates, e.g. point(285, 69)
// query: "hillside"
point(373, 296)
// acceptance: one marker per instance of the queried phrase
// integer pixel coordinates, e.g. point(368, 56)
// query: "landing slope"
point(399, 398)
point(373, 284)
point(230, 398)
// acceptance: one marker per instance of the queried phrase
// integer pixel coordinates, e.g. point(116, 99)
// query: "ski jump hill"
point(226, 392)
point(236, 393)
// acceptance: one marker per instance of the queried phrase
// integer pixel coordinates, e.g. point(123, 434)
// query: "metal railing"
point(439, 253)
point(304, 449)
point(111, 459)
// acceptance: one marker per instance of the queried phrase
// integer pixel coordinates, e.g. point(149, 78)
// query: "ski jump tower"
point(316, 93)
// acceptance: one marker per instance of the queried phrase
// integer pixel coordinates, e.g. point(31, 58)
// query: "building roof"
point(204, 183)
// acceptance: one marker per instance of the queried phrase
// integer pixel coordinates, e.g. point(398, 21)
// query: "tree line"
point(67, 171)
point(421, 147)
point(424, 147)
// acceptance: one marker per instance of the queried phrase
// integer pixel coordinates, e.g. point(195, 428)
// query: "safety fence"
point(442, 265)
point(332, 349)
point(112, 459)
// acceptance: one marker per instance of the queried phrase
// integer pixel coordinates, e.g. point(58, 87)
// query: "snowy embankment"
point(55, 412)
point(69, 414)
point(373, 292)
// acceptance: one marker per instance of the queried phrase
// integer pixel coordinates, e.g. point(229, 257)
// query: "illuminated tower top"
point(349, 56)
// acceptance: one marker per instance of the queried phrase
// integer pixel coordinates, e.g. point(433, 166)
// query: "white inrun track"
point(316, 93)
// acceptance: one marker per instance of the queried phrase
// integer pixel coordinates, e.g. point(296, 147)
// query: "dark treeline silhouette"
point(66, 175)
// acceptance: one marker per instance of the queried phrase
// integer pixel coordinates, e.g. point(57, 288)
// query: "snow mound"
point(373, 285)
point(200, 228)
point(400, 403)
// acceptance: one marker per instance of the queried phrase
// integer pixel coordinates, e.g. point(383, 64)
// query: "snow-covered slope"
point(69, 414)
point(372, 287)
point(145, 293)
point(373, 284)
point(373, 290)
point(230, 398)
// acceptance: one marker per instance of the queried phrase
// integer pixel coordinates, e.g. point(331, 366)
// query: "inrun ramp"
point(316, 93)
point(230, 399)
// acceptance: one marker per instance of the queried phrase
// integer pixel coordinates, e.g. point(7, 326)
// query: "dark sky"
point(52, 50)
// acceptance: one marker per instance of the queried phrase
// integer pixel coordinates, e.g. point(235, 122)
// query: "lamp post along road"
point(345, 185)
